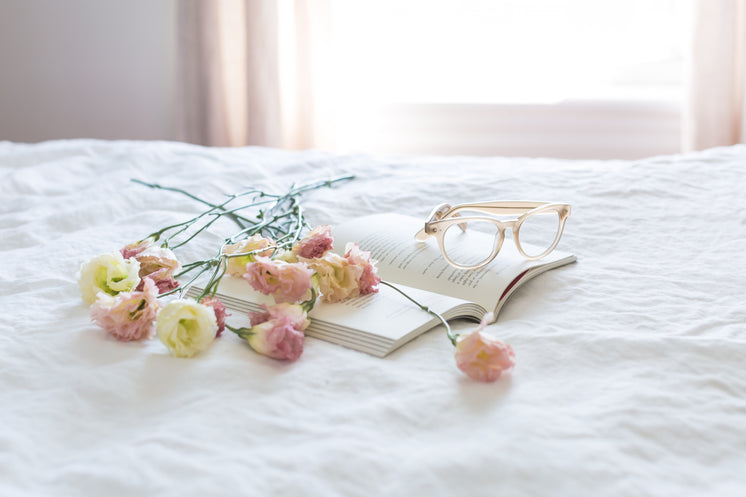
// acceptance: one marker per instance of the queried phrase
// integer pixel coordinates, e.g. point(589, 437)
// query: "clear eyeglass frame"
point(444, 216)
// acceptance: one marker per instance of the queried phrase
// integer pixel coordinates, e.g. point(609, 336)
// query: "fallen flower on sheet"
point(186, 327)
point(107, 273)
point(219, 309)
point(481, 356)
point(128, 315)
point(277, 332)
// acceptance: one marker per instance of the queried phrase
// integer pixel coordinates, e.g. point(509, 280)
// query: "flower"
point(348, 276)
point(287, 282)
point(219, 309)
point(285, 255)
point(186, 327)
point(278, 331)
point(338, 280)
point(157, 263)
point(483, 357)
point(293, 312)
point(135, 248)
point(315, 244)
point(128, 315)
point(369, 279)
point(163, 281)
point(237, 265)
point(108, 273)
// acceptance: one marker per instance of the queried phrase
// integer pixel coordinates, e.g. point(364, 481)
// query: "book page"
point(402, 259)
point(384, 314)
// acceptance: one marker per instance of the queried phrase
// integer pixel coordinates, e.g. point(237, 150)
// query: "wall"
point(87, 69)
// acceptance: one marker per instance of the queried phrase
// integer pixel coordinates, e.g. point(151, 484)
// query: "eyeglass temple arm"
point(438, 213)
point(421, 235)
point(511, 207)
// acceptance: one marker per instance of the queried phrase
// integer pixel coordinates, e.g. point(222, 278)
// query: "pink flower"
point(163, 280)
point(287, 282)
point(135, 248)
point(128, 315)
point(159, 264)
point(345, 277)
point(278, 331)
point(220, 313)
point(315, 244)
point(293, 312)
point(483, 357)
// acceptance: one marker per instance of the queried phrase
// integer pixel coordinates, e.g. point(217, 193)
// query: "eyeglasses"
point(472, 241)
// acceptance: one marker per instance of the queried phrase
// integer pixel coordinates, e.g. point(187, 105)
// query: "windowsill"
point(601, 129)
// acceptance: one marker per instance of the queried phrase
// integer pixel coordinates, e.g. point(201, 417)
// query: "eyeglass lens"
point(538, 232)
point(473, 246)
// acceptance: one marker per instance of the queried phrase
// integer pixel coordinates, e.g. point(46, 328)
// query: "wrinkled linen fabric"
point(629, 375)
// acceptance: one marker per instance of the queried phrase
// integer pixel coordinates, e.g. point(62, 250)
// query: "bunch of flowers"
point(126, 289)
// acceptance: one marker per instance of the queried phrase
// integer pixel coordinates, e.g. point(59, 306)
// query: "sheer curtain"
point(255, 72)
point(259, 72)
point(716, 112)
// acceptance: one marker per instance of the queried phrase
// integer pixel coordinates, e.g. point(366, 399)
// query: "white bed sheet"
point(630, 374)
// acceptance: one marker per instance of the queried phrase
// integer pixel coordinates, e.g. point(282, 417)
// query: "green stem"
point(241, 332)
point(212, 286)
point(182, 288)
point(451, 336)
point(203, 228)
point(235, 217)
point(319, 184)
point(186, 268)
point(285, 208)
point(257, 227)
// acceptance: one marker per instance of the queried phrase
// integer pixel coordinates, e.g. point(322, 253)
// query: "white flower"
point(108, 273)
point(186, 327)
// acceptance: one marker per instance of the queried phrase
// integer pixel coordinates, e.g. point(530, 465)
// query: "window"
point(572, 78)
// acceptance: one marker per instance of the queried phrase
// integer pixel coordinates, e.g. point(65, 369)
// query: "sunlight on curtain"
point(716, 110)
point(488, 61)
point(255, 72)
point(512, 51)
point(570, 78)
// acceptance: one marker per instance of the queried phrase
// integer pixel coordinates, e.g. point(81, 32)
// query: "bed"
point(629, 375)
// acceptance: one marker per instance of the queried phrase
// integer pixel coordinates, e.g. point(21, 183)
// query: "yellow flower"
point(108, 273)
point(338, 279)
point(345, 277)
point(186, 327)
point(237, 265)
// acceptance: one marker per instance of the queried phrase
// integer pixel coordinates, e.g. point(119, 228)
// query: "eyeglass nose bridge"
point(500, 238)
point(510, 224)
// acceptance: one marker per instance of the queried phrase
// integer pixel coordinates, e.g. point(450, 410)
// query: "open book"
point(380, 323)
